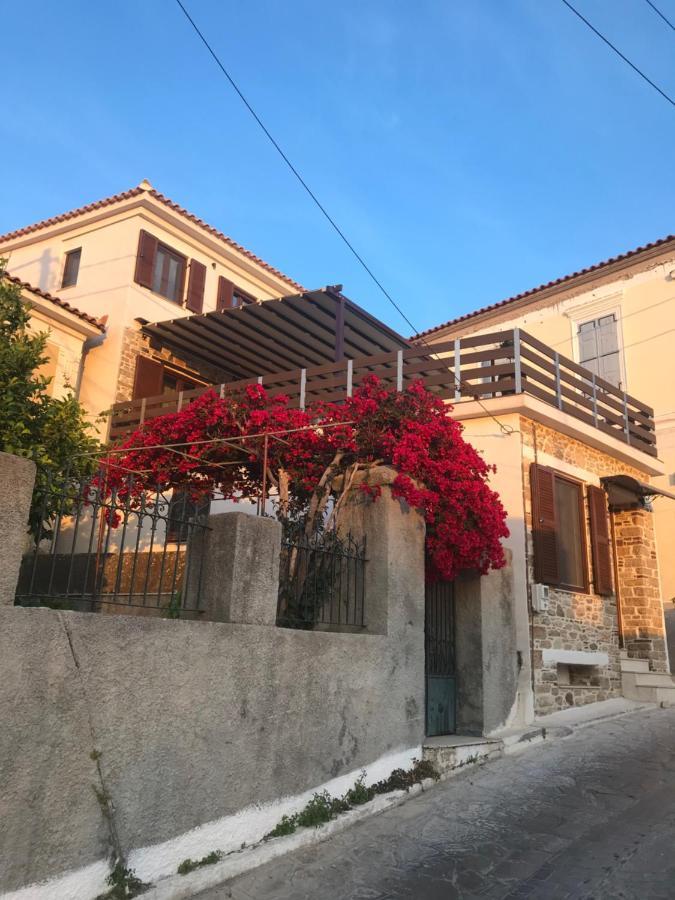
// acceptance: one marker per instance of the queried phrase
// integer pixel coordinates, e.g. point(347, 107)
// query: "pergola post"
point(340, 329)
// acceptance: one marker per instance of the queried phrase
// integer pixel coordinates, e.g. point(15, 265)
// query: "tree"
point(52, 432)
point(313, 457)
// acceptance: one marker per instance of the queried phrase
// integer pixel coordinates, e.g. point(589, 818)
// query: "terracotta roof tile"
point(57, 301)
point(134, 192)
point(549, 284)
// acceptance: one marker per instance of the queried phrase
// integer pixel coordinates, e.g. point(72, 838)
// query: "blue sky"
point(470, 150)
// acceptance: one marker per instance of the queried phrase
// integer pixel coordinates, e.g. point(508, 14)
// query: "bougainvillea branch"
point(319, 450)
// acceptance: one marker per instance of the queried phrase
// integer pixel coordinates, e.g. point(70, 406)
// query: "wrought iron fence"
point(117, 550)
point(321, 580)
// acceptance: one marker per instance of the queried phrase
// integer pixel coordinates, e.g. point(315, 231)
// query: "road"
point(588, 817)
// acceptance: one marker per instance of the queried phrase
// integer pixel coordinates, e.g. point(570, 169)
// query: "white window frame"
point(592, 312)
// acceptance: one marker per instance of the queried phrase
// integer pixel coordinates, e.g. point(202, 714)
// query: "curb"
point(183, 887)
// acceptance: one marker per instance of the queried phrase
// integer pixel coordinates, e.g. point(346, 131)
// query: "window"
point(167, 274)
point(183, 510)
point(559, 530)
point(71, 268)
point(230, 296)
point(599, 347)
point(570, 534)
point(162, 270)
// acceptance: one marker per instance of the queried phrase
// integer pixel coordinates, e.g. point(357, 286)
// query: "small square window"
point(71, 268)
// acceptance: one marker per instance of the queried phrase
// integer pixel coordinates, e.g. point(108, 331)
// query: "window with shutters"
point(71, 268)
point(559, 530)
point(599, 349)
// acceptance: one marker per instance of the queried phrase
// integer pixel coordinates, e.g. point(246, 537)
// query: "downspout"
point(89, 344)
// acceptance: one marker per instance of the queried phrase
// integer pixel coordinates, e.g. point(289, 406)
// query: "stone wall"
point(642, 617)
point(134, 343)
point(578, 621)
point(163, 739)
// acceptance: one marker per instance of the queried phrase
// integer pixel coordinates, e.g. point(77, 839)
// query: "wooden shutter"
point(145, 259)
point(148, 378)
point(544, 525)
point(195, 290)
point(600, 542)
point(225, 294)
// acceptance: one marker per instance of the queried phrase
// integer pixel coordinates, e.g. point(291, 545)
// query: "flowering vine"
point(313, 455)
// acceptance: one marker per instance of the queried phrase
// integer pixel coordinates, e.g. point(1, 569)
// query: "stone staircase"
point(641, 684)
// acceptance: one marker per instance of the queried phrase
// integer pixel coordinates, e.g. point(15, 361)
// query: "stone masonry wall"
point(578, 621)
point(640, 589)
point(134, 344)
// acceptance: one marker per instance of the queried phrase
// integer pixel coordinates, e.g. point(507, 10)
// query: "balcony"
point(475, 368)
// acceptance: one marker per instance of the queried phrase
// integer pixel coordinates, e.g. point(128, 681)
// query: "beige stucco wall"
point(106, 287)
point(643, 296)
point(64, 350)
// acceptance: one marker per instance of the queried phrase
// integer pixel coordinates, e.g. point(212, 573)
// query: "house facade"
point(72, 334)
point(616, 319)
point(137, 257)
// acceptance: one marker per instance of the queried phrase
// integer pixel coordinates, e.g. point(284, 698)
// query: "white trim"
point(574, 658)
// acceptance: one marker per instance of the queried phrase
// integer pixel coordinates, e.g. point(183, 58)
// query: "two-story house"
point(617, 320)
point(135, 257)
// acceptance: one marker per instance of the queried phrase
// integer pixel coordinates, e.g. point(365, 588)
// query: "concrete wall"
point(129, 733)
point(489, 663)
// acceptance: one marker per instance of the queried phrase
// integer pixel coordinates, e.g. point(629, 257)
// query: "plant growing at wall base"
point(323, 808)
point(315, 464)
point(124, 884)
point(189, 865)
point(52, 432)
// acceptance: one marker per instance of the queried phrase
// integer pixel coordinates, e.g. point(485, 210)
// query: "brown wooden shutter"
point(145, 259)
point(148, 378)
point(196, 283)
point(600, 542)
point(225, 294)
point(544, 525)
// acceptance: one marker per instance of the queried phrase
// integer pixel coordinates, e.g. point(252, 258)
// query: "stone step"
point(454, 751)
point(649, 679)
point(634, 665)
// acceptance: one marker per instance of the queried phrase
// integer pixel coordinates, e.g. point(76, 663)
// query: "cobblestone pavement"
point(591, 816)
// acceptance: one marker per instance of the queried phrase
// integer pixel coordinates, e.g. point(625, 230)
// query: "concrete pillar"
point(236, 563)
point(394, 574)
point(639, 587)
point(17, 477)
point(489, 666)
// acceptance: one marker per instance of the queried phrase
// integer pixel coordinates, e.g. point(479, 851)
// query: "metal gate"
point(439, 653)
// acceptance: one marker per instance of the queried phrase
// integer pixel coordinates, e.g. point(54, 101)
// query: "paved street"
point(591, 816)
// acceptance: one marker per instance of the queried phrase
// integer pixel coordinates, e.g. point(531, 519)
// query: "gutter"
point(89, 344)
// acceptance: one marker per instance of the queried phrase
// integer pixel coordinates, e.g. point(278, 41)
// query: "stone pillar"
point(639, 588)
point(17, 477)
point(394, 574)
point(236, 562)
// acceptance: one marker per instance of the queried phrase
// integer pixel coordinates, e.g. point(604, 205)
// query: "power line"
point(659, 13)
point(506, 429)
point(293, 169)
point(619, 53)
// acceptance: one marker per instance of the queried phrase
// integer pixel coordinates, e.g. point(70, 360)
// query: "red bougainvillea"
point(314, 454)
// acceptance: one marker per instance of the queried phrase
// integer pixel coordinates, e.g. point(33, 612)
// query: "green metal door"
point(439, 658)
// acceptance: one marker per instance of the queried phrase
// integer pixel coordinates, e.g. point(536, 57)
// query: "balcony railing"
point(478, 367)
